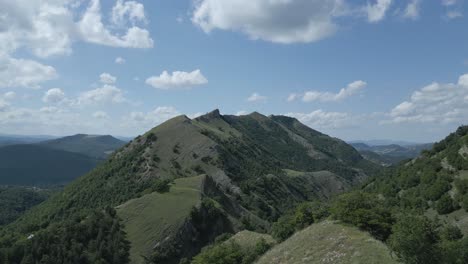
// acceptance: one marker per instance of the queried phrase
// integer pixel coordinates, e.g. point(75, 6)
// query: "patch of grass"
point(153, 217)
point(328, 242)
point(248, 239)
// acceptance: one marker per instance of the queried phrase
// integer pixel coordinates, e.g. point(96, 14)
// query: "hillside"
point(435, 183)
point(95, 146)
point(252, 168)
point(34, 165)
point(328, 242)
point(390, 154)
point(14, 201)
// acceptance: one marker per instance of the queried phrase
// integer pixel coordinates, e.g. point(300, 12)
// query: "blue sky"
point(353, 69)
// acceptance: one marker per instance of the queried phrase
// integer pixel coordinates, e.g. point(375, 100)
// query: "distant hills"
point(17, 139)
point(390, 154)
point(96, 146)
point(53, 162)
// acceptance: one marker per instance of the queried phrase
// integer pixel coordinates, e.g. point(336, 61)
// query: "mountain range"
point(387, 155)
point(226, 173)
point(240, 189)
point(54, 161)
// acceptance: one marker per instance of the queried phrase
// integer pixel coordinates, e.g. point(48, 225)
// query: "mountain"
point(35, 165)
point(16, 139)
point(390, 154)
point(183, 183)
point(382, 142)
point(96, 146)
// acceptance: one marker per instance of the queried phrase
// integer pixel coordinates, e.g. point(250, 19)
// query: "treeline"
point(97, 238)
point(14, 201)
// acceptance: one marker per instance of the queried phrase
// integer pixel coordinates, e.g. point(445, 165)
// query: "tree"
point(415, 240)
point(445, 205)
point(365, 211)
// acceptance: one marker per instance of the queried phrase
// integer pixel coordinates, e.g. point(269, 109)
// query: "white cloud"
point(412, 9)
point(320, 119)
point(177, 79)
point(146, 121)
point(180, 19)
point(350, 90)
point(292, 97)
point(454, 14)
point(100, 115)
point(434, 103)
point(4, 105)
point(107, 78)
point(242, 112)
point(106, 94)
point(376, 12)
point(93, 30)
point(9, 95)
point(48, 28)
point(449, 2)
point(280, 21)
point(24, 73)
point(54, 96)
point(119, 60)
point(128, 11)
point(255, 97)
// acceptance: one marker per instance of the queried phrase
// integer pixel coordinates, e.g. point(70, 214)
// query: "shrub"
point(445, 205)
point(414, 240)
point(364, 211)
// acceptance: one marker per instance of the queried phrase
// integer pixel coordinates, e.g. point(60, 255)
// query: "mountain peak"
point(215, 114)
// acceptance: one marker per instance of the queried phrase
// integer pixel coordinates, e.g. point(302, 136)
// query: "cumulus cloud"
point(311, 96)
point(412, 10)
point(53, 96)
point(128, 11)
point(320, 119)
point(119, 60)
point(454, 14)
point(24, 73)
point(293, 97)
point(270, 20)
point(255, 97)
point(376, 11)
point(48, 28)
point(9, 95)
point(149, 119)
point(106, 94)
point(107, 78)
point(177, 80)
point(449, 2)
point(434, 103)
point(100, 115)
point(93, 30)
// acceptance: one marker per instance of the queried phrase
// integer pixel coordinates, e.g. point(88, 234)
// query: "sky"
point(356, 70)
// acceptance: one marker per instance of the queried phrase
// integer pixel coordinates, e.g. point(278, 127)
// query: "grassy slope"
point(327, 242)
point(248, 239)
point(155, 216)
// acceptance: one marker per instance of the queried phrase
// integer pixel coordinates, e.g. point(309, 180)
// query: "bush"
point(414, 240)
point(364, 211)
point(283, 228)
point(445, 205)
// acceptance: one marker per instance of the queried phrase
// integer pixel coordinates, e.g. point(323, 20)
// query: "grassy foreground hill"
point(328, 242)
point(251, 168)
